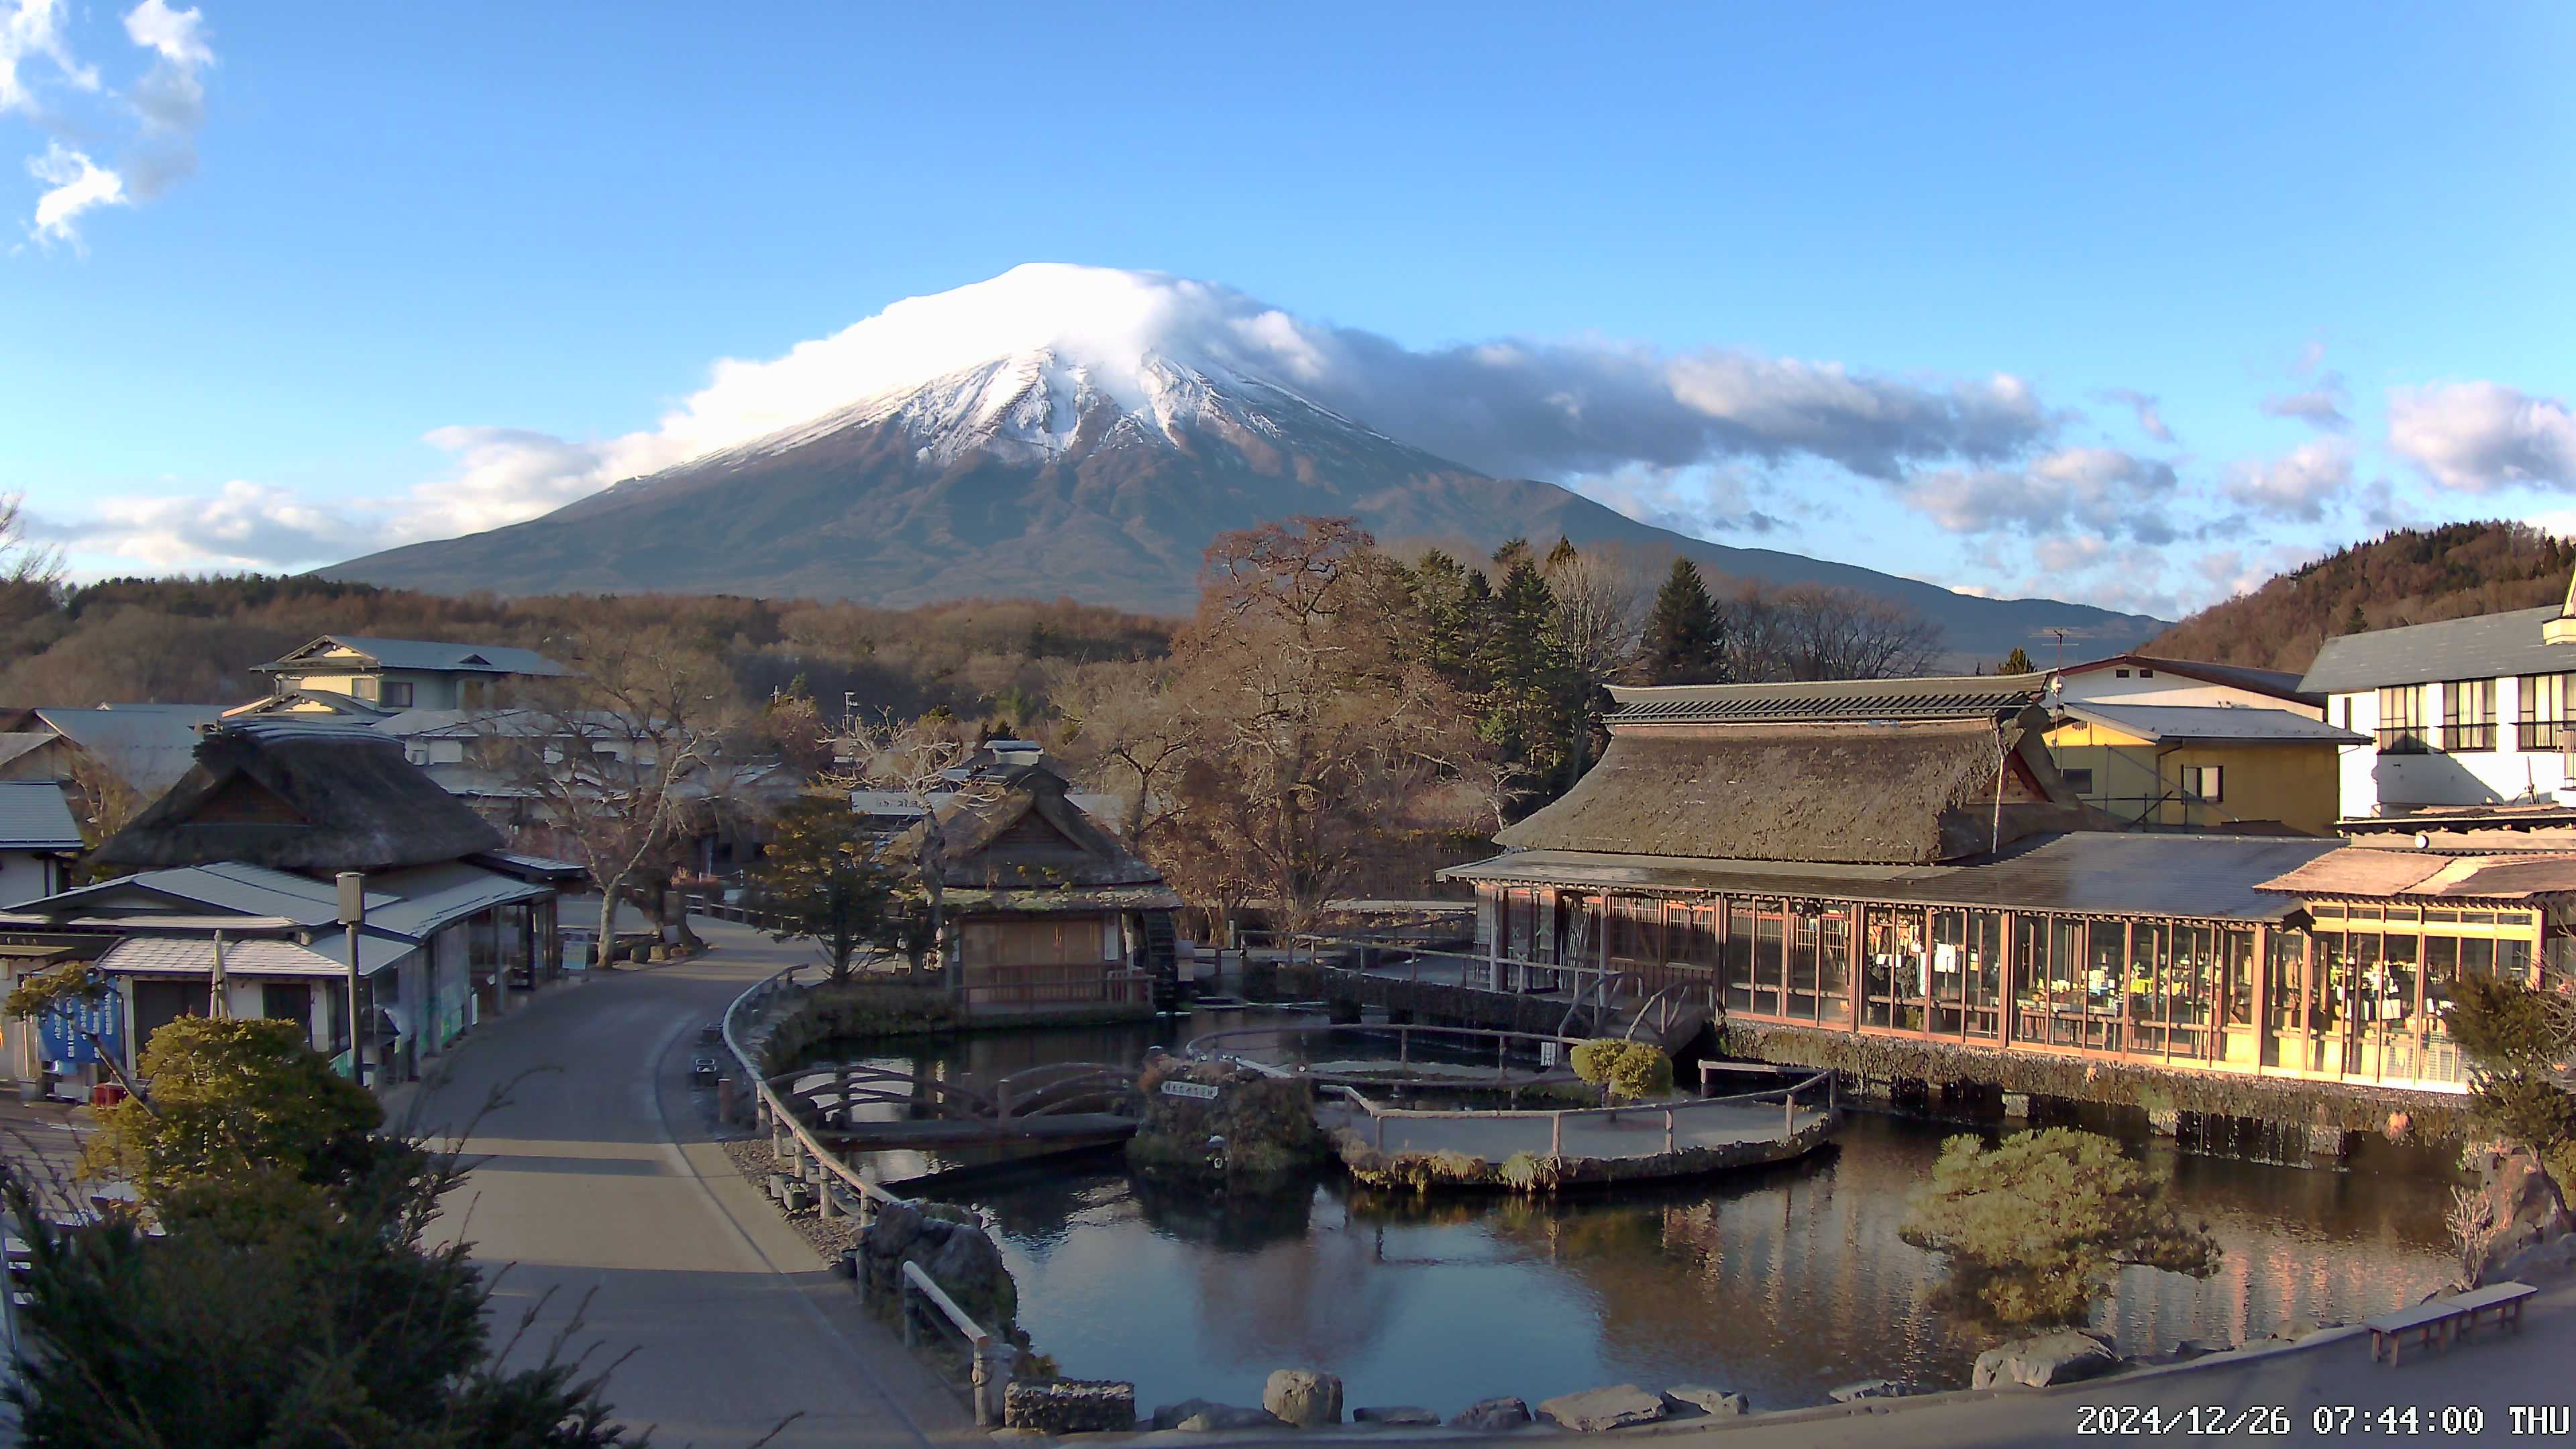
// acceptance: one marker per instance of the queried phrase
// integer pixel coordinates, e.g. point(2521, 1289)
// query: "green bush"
point(2035, 1226)
point(1626, 1070)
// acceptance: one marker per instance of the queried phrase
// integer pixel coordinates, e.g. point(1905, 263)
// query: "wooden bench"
point(2444, 1319)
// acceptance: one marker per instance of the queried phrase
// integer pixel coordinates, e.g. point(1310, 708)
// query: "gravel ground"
point(830, 1237)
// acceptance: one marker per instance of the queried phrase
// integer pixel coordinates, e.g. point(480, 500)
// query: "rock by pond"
point(1303, 1397)
point(1596, 1410)
point(2050, 1358)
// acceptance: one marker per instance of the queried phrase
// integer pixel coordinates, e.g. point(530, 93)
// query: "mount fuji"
point(1001, 441)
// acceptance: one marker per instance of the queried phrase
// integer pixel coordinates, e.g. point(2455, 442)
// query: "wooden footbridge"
point(862, 1107)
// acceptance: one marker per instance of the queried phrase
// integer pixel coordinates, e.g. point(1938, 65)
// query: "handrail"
point(773, 1108)
point(1191, 1048)
point(1688, 1104)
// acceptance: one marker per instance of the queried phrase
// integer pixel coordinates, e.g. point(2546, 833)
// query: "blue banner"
point(65, 1032)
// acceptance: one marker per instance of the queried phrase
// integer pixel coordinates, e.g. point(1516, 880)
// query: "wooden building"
point(232, 903)
point(1902, 860)
point(1045, 911)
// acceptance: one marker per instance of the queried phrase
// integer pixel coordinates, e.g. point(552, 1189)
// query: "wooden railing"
point(840, 1191)
point(1671, 1112)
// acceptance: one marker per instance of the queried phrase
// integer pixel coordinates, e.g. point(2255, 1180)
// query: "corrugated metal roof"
point(195, 956)
point(1957, 697)
point(34, 816)
point(2489, 646)
point(2103, 873)
point(2368, 871)
point(422, 654)
point(2212, 722)
point(423, 899)
point(228, 886)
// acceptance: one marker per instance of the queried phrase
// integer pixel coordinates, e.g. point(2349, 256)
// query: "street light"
point(353, 914)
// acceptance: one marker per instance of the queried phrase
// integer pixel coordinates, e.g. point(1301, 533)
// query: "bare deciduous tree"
point(620, 756)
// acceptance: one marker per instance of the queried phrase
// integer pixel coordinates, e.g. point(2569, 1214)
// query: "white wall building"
point(2462, 714)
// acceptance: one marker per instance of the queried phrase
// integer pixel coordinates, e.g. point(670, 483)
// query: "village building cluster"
point(2131, 861)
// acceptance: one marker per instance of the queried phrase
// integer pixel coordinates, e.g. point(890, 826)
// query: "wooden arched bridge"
point(861, 1106)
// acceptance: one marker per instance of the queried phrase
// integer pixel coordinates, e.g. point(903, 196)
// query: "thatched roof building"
point(1895, 772)
point(1015, 842)
point(301, 797)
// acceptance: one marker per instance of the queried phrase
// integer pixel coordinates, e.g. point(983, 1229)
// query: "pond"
point(1780, 1284)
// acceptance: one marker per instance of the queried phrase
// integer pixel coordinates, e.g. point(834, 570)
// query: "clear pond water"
point(1780, 1284)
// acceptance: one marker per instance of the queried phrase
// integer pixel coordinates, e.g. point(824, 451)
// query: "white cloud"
point(178, 35)
point(167, 106)
point(2477, 436)
point(2298, 484)
point(171, 99)
point(2103, 490)
point(2149, 409)
point(2318, 406)
point(244, 526)
point(35, 28)
point(74, 184)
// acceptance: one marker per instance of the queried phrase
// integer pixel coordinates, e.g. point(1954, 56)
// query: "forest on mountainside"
point(194, 641)
point(2405, 576)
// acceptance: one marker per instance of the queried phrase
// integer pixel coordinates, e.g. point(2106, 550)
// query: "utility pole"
point(353, 914)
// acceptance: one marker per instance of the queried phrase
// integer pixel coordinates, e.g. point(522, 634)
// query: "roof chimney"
point(2562, 630)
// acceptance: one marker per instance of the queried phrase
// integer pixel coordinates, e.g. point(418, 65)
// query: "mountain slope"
point(2406, 576)
point(1048, 473)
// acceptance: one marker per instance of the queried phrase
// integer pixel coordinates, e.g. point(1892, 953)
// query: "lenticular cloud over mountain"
point(1554, 410)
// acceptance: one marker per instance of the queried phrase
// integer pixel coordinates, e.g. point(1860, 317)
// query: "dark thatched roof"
point(301, 797)
point(1018, 832)
point(1910, 792)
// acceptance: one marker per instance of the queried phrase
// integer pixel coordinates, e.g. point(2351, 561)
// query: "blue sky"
point(337, 233)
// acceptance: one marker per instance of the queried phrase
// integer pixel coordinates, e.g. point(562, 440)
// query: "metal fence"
point(840, 1191)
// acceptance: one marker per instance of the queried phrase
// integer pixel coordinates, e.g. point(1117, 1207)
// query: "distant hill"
point(2409, 576)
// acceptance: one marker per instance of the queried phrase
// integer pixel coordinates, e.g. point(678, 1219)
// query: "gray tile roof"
point(2489, 646)
point(424, 654)
point(34, 816)
point(148, 746)
point(2106, 873)
point(2212, 722)
point(2261, 681)
point(1803, 701)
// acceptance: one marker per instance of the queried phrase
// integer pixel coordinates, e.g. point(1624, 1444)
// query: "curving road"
point(604, 1176)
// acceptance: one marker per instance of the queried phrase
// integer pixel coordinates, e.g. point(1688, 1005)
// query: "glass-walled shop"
point(2348, 990)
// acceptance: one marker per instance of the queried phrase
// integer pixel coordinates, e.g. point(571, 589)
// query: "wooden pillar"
point(2259, 1013)
point(1855, 953)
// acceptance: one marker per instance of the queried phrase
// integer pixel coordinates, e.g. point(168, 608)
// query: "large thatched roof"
point(1889, 792)
point(301, 797)
point(1018, 832)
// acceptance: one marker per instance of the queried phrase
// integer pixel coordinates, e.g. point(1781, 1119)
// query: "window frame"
point(2537, 729)
point(2413, 735)
point(2469, 731)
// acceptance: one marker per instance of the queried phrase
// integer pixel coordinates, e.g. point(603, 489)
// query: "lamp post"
point(353, 914)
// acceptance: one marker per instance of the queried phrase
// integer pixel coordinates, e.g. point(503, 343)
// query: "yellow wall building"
point(2190, 767)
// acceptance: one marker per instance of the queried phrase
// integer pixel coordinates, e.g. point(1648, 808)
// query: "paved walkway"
point(606, 1176)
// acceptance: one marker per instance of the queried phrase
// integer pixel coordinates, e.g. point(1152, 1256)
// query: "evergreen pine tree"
point(1684, 636)
point(2016, 663)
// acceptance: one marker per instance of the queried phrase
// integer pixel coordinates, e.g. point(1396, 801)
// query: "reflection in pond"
point(1780, 1284)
